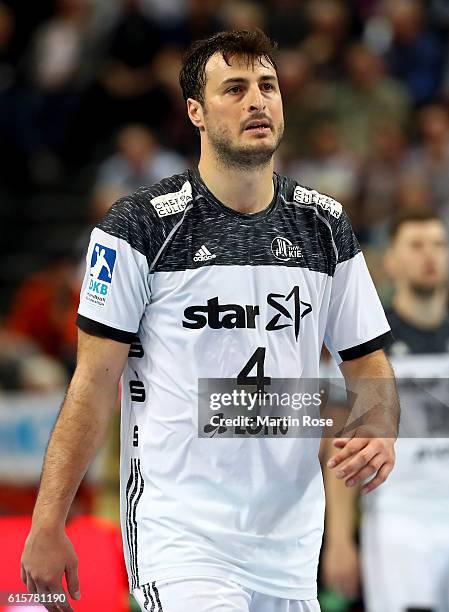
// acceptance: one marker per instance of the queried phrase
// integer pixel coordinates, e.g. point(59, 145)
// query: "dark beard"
point(244, 158)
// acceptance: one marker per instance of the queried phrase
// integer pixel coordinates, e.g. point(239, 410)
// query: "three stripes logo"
point(151, 595)
point(203, 254)
point(134, 490)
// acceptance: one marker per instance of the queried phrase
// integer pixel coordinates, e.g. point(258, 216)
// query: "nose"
point(256, 101)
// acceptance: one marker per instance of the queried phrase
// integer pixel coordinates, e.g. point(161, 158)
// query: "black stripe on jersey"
point(156, 593)
point(146, 600)
point(153, 603)
point(148, 596)
point(137, 483)
point(131, 486)
point(380, 342)
point(237, 243)
point(170, 243)
point(104, 331)
point(134, 521)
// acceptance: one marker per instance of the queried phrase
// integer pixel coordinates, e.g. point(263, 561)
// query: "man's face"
point(242, 111)
point(419, 257)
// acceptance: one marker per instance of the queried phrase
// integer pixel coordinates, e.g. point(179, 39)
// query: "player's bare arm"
point(340, 557)
point(78, 434)
point(362, 457)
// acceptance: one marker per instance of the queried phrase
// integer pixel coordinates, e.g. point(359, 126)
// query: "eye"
point(234, 90)
point(267, 86)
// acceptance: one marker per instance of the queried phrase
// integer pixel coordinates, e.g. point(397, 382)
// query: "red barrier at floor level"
point(101, 568)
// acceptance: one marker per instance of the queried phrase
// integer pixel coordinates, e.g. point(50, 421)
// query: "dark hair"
point(249, 45)
point(411, 217)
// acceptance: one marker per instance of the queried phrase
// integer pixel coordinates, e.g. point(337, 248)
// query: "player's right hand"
point(47, 556)
point(340, 568)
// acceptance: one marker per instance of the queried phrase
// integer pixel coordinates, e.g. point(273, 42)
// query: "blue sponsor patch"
point(102, 263)
point(101, 269)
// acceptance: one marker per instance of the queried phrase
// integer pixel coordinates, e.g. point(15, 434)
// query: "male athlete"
point(405, 526)
point(219, 272)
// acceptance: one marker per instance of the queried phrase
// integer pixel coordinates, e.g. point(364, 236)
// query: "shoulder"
point(330, 214)
point(145, 217)
point(174, 191)
point(168, 197)
point(298, 195)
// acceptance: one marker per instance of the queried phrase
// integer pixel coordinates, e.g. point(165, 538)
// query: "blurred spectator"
point(379, 181)
point(203, 19)
point(304, 98)
point(177, 130)
point(286, 23)
point(125, 90)
point(58, 46)
point(246, 15)
point(168, 14)
point(429, 161)
point(73, 72)
point(24, 367)
point(44, 310)
point(367, 96)
point(413, 195)
point(416, 53)
point(134, 42)
point(56, 66)
point(183, 21)
point(139, 161)
point(329, 25)
point(329, 168)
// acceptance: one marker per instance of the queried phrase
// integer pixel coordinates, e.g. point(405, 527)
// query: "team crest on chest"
point(284, 249)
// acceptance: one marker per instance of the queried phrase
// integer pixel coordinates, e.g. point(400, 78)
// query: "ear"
point(195, 112)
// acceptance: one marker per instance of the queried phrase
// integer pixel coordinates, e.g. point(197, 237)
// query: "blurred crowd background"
point(90, 109)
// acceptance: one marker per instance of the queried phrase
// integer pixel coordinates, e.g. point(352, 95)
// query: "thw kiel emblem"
point(284, 250)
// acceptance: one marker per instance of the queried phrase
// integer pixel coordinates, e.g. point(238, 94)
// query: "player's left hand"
point(360, 458)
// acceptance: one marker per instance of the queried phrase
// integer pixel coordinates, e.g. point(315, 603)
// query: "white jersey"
point(405, 526)
point(418, 486)
point(202, 291)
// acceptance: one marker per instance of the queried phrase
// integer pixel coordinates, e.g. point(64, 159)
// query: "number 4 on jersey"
point(256, 360)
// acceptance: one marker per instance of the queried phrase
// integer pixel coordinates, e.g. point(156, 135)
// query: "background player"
point(405, 531)
point(204, 521)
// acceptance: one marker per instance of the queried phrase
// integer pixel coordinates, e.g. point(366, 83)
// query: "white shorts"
point(405, 562)
point(208, 594)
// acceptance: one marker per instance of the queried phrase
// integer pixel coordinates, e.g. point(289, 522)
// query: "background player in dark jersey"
point(405, 528)
point(204, 266)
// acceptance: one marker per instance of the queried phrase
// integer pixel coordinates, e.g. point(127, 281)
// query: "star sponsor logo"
point(172, 203)
point(284, 309)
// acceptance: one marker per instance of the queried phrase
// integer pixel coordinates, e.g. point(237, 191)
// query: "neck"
point(422, 312)
point(244, 190)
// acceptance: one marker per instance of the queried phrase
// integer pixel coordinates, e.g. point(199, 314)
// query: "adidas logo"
point(203, 254)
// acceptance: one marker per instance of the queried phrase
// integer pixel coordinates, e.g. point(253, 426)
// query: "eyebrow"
point(264, 77)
